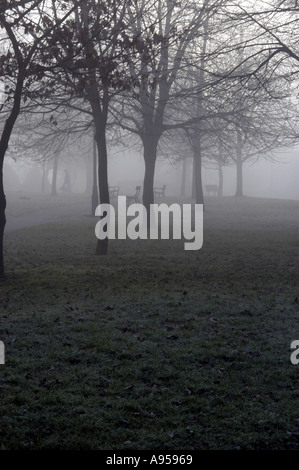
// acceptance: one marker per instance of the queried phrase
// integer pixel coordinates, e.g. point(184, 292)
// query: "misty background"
point(139, 343)
point(261, 177)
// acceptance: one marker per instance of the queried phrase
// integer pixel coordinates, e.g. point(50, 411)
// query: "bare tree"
point(94, 68)
point(165, 35)
point(25, 27)
point(250, 109)
point(270, 42)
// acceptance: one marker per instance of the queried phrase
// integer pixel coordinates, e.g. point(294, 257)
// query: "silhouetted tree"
point(25, 26)
point(166, 36)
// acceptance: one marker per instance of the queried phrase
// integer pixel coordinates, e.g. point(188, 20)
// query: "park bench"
point(135, 197)
point(160, 192)
point(212, 188)
point(113, 191)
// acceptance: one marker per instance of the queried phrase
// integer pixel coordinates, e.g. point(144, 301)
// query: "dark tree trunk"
point(95, 192)
point(2, 220)
point(239, 187)
point(89, 174)
point(54, 176)
point(100, 137)
point(100, 112)
point(193, 194)
point(199, 199)
point(239, 166)
point(184, 174)
point(44, 177)
point(197, 171)
point(8, 127)
point(220, 175)
point(150, 156)
point(197, 163)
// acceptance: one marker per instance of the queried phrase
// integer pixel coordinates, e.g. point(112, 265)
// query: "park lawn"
point(151, 347)
point(23, 203)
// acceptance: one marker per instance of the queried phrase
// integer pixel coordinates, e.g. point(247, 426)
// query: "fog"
point(170, 325)
point(262, 178)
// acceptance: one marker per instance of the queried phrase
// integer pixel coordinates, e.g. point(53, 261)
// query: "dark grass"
point(151, 347)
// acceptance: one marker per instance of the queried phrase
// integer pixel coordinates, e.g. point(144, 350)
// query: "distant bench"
point(212, 188)
point(160, 192)
point(113, 191)
point(134, 197)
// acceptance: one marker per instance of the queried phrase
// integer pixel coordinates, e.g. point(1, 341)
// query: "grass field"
point(153, 347)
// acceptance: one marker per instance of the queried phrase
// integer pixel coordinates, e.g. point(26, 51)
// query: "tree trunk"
point(100, 137)
point(197, 171)
point(239, 186)
point(95, 192)
point(220, 175)
point(2, 220)
point(54, 176)
point(199, 199)
point(150, 156)
point(197, 164)
point(89, 174)
point(5, 137)
point(239, 166)
point(193, 194)
point(44, 177)
point(184, 174)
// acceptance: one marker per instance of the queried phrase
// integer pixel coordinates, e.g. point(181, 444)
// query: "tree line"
point(215, 75)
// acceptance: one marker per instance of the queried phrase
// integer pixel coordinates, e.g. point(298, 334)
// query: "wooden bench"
point(212, 188)
point(135, 197)
point(113, 191)
point(160, 192)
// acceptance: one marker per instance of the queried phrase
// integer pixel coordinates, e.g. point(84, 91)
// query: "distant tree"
point(47, 131)
point(166, 35)
point(249, 108)
point(94, 68)
point(258, 64)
